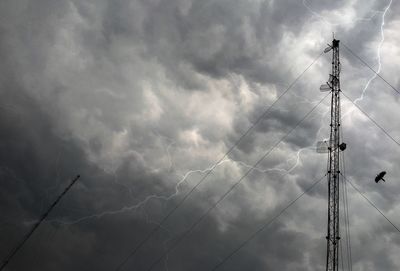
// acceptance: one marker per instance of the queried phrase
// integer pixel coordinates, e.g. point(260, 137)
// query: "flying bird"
point(380, 176)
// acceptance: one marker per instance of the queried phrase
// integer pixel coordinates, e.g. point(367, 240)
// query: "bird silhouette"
point(380, 176)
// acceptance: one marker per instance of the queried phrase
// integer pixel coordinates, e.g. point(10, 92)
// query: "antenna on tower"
point(327, 49)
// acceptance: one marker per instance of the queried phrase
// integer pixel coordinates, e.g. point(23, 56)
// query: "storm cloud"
point(142, 97)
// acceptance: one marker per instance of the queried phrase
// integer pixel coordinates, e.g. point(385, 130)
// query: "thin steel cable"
point(348, 239)
point(345, 201)
point(265, 225)
point(186, 233)
point(37, 224)
point(371, 119)
point(154, 230)
point(345, 227)
point(342, 169)
point(366, 64)
point(346, 224)
point(348, 228)
point(372, 204)
point(346, 214)
point(341, 252)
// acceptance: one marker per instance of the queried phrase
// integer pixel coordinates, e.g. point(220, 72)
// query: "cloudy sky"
point(141, 97)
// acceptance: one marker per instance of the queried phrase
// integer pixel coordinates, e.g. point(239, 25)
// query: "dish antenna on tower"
point(327, 49)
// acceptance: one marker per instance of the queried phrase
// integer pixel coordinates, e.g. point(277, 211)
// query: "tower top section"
point(335, 43)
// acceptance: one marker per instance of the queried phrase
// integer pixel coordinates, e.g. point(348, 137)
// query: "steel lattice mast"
point(334, 147)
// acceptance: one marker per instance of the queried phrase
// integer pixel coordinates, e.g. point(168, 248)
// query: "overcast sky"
point(141, 97)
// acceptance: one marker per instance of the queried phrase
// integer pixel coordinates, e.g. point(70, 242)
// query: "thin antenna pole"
point(37, 224)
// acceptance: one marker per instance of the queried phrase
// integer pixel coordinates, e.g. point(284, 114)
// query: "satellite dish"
point(327, 49)
point(322, 147)
point(324, 88)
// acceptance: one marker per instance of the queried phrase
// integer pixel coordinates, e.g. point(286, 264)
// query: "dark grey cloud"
point(141, 97)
